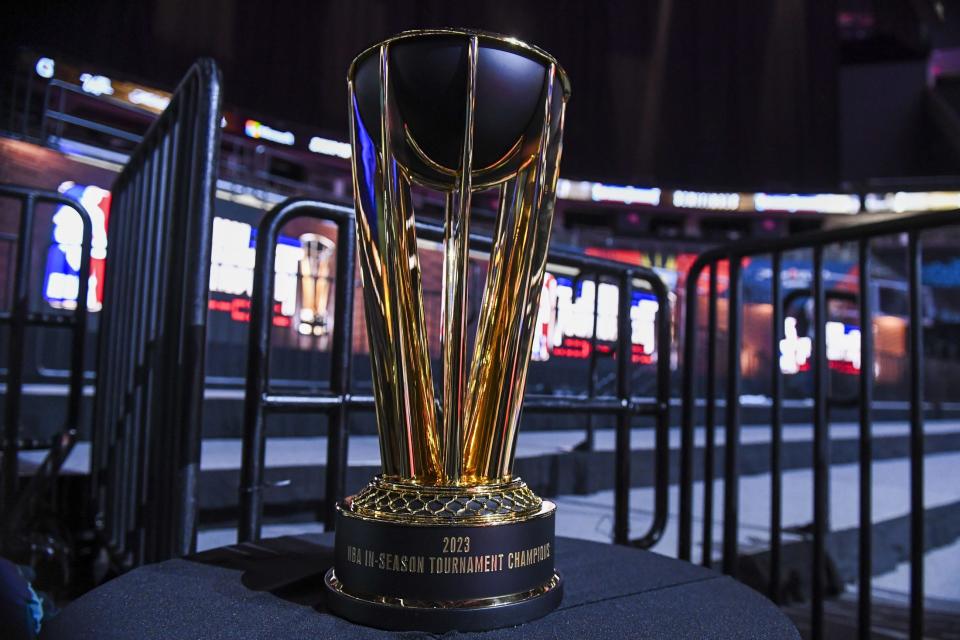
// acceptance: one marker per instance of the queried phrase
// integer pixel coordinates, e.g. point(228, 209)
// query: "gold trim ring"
point(403, 502)
point(494, 601)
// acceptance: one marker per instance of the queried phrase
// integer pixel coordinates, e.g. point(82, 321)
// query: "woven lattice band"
point(416, 503)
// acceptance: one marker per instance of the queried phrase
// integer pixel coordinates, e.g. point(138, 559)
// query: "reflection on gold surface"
point(463, 434)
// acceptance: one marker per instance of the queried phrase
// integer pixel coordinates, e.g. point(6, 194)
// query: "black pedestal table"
point(273, 590)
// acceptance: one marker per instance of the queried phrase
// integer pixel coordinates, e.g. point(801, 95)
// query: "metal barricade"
point(150, 366)
point(260, 400)
point(15, 504)
point(912, 225)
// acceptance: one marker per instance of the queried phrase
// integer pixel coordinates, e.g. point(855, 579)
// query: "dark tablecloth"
point(272, 590)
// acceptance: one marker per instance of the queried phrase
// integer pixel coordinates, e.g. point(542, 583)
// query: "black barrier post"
point(710, 412)
point(258, 366)
point(776, 429)
point(621, 511)
point(914, 270)
point(864, 584)
point(662, 416)
point(731, 446)
point(18, 328)
point(821, 444)
point(589, 441)
point(685, 515)
point(341, 377)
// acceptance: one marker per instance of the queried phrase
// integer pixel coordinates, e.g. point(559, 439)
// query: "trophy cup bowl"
point(447, 538)
point(428, 71)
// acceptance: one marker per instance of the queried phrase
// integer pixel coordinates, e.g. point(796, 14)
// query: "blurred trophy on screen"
point(447, 537)
point(315, 267)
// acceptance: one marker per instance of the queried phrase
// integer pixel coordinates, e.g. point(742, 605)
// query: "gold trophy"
point(315, 284)
point(447, 537)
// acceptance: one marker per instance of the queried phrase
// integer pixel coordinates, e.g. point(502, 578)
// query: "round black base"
point(440, 619)
point(443, 575)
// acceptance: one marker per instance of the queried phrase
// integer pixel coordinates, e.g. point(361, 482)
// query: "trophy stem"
point(456, 265)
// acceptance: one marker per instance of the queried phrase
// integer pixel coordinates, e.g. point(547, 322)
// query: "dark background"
point(737, 95)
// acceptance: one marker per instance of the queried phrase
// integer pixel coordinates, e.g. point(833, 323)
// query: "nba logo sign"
point(61, 280)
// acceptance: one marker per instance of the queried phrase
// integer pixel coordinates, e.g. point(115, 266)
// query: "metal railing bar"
point(662, 437)
point(66, 118)
point(710, 413)
point(43, 319)
point(643, 404)
point(621, 497)
point(807, 403)
point(865, 546)
point(341, 376)
point(854, 233)
point(596, 405)
point(138, 461)
point(589, 438)
point(915, 268)
point(21, 302)
point(685, 508)
point(731, 478)
point(201, 197)
point(320, 401)
point(776, 430)
point(104, 472)
point(67, 87)
point(108, 388)
point(143, 224)
point(821, 446)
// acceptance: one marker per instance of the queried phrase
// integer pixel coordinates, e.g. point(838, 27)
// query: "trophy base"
point(483, 565)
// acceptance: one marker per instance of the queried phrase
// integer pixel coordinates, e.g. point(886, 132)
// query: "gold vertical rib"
point(412, 376)
point(510, 302)
point(456, 264)
point(371, 274)
point(400, 361)
point(545, 185)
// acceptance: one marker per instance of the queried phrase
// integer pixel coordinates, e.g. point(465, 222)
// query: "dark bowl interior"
point(428, 83)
